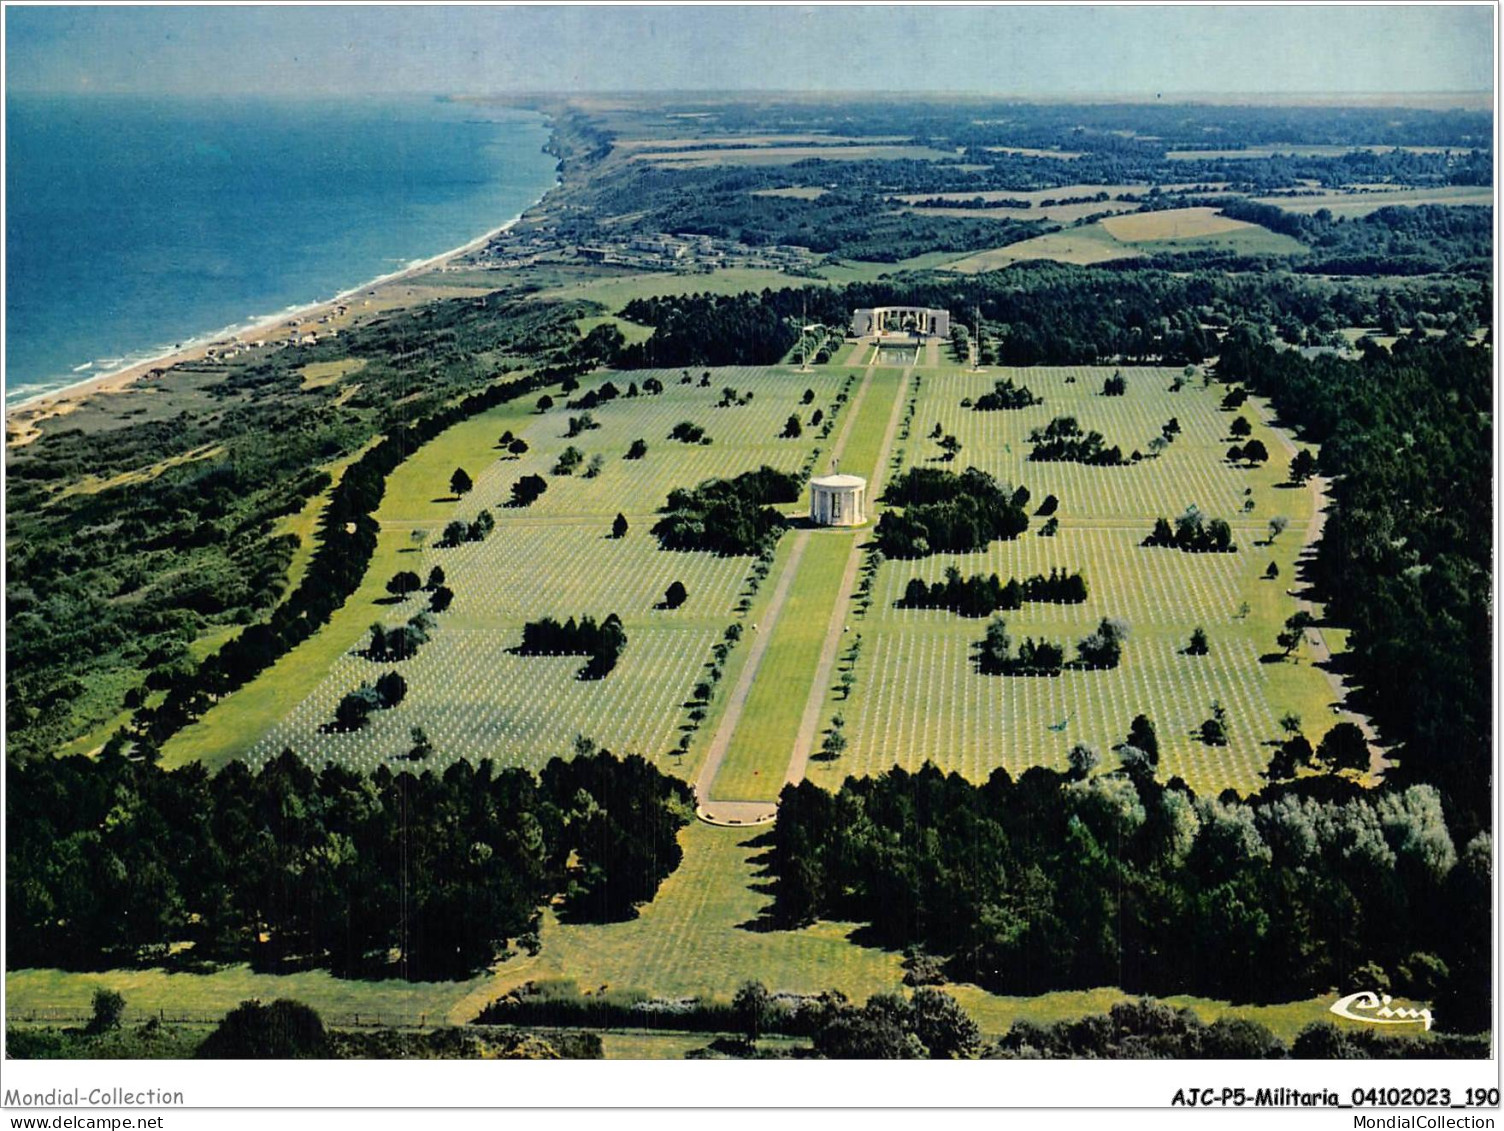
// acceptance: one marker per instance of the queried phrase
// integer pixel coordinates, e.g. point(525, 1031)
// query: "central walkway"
point(773, 713)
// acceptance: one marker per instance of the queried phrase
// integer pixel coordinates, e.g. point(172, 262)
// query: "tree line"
point(1052, 882)
point(1406, 560)
point(603, 642)
point(113, 861)
point(980, 596)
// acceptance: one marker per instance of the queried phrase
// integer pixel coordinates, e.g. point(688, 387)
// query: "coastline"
point(23, 417)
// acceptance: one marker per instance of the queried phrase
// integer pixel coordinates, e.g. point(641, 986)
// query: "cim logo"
point(1375, 1009)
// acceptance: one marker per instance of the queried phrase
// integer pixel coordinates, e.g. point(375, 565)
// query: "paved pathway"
point(760, 812)
point(745, 812)
point(809, 723)
point(1321, 653)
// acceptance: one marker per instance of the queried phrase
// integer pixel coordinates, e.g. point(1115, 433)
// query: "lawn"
point(764, 738)
point(918, 696)
point(769, 729)
point(471, 694)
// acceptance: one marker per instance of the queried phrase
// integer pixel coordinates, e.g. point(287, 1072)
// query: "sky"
point(1051, 51)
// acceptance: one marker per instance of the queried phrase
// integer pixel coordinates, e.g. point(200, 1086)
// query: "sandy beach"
point(386, 292)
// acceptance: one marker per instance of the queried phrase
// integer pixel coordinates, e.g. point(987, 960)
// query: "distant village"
point(693, 254)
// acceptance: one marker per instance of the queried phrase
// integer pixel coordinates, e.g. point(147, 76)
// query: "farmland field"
point(1135, 234)
point(788, 154)
point(1371, 200)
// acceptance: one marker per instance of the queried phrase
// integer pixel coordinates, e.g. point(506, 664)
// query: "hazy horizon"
point(1064, 53)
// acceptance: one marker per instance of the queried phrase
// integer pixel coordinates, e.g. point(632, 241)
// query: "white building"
point(838, 500)
point(900, 321)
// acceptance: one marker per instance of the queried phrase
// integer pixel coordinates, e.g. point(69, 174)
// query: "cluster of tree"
point(1060, 314)
point(688, 432)
point(948, 513)
point(569, 460)
point(1013, 202)
point(730, 517)
point(457, 532)
point(355, 708)
point(1115, 386)
point(1101, 648)
point(707, 330)
point(995, 654)
point(1192, 533)
point(1252, 453)
point(1048, 883)
point(1006, 395)
point(980, 596)
point(1406, 560)
point(1344, 747)
point(927, 1024)
point(1063, 439)
point(113, 861)
point(1411, 240)
point(527, 490)
point(390, 645)
point(603, 642)
point(1145, 1029)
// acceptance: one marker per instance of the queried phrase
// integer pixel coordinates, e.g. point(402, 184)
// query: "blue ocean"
point(135, 224)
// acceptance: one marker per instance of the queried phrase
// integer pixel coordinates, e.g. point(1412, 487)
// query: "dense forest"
point(1058, 314)
point(1052, 882)
point(111, 861)
point(1406, 560)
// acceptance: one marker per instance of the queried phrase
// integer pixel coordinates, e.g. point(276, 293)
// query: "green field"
point(473, 697)
point(917, 696)
point(702, 935)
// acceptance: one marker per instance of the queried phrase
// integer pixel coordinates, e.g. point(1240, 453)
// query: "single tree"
point(403, 583)
point(1344, 748)
point(1240, 428)
point(754, 1008)
point(1198, 645)
point(619, 526)
point(637, 450)
point(792, 428)
point(1255, 452)
point(460, 482)
point(1302, 467)
point(675, 596)
point(435, 578)
point(1277, 526)
point(1294, 631)
point(109, 1007)
point(1082, 760)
